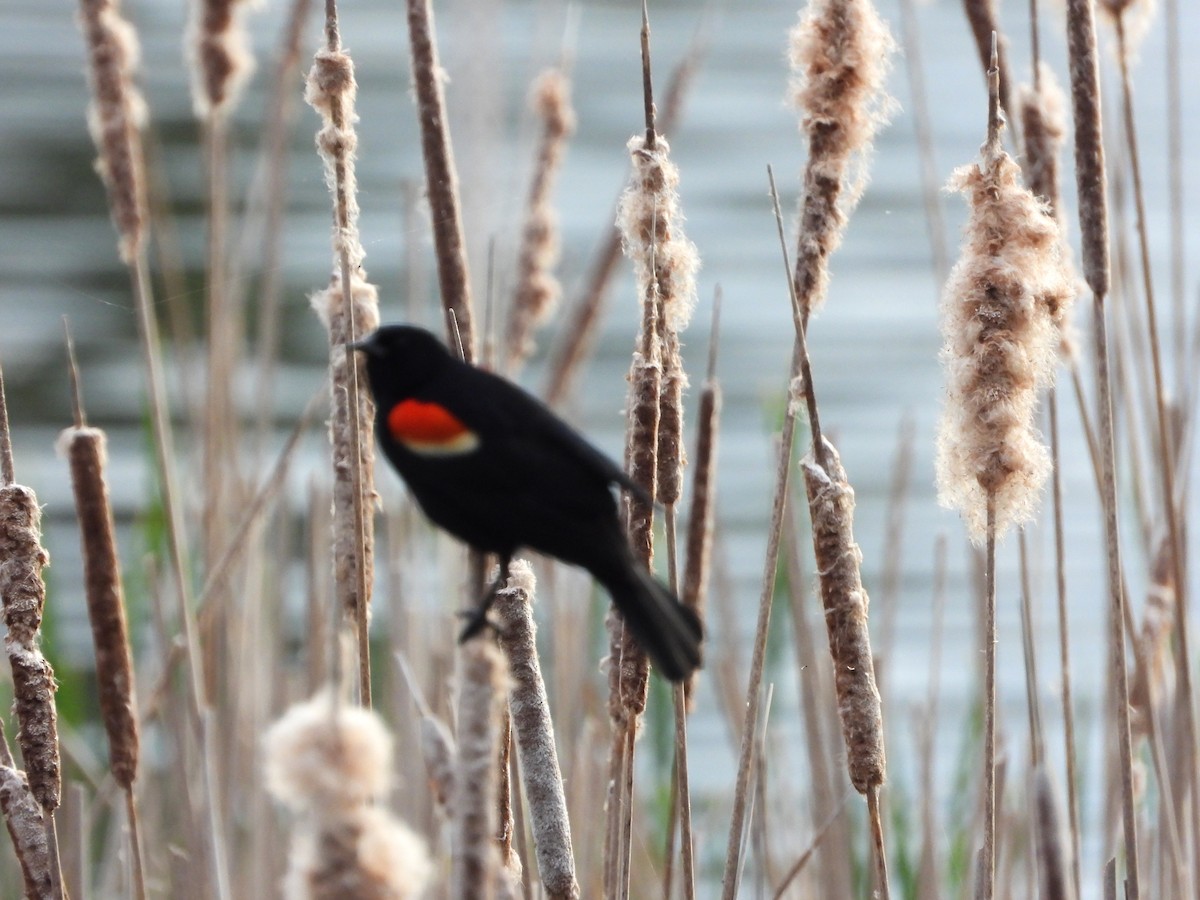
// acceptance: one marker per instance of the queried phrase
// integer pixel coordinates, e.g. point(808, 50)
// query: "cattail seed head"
point(1000, 346)
point(23, 593)
point(115, 118)
point(26, 826)
point(840, 54)
point(85, 450)
point(330, 764)
point(219, 50)
point(831, 505)
point(538, 289)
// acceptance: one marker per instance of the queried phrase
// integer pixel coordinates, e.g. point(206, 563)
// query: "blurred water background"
point(874, 346)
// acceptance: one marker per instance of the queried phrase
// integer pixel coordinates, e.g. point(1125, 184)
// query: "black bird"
point(496, 468)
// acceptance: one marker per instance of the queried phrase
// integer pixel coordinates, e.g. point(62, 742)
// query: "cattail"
point(840, 53)
point(23, 593)
point(538, 290)
point(115, 118)
point(1043, 131)
point(1091, 180)
point(530, 711)
point(694, 593)
point(475, 858)
point(441, 177)
point(331, 90)
point(26, 826)
point(831, 504)
point(1000, 346)
point(330, 307)
point(218, 48)
point(85, 450)
point(665, 264)
point(330, 763)
point(1133, 17)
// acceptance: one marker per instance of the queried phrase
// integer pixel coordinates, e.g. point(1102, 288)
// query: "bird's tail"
point(668, 631)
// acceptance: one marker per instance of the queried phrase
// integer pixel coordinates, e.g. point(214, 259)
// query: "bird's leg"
point(477, 618)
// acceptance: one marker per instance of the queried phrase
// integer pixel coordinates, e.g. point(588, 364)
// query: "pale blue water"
point(874, 347)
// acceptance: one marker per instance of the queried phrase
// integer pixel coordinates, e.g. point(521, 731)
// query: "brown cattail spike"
point(115, 118)
point(840, 53)
point(26, 826)
point(218, 45)
point(85, 450)
point(831, 504)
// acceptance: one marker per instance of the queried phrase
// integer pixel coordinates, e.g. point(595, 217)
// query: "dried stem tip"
point(840, 54)
point(831, 505)
point(23, 593)
point(85, 449)
point(1000, 346)
point(115, 118)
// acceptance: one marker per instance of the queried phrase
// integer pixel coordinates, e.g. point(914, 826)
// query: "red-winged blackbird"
point(492, 465)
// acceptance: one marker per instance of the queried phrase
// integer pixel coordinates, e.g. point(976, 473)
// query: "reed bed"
point(273, 701)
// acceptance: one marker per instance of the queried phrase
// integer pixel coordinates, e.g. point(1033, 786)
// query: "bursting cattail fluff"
point(1043, 131)
point(840, 52)
point(331, 765)
point(1000, 346)
point(219, 50)
point(115, 118)
point(538, 289)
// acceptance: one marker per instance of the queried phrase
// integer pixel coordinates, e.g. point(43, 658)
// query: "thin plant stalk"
point(1064, 643)
point(1093, 219)
point(1166, 467)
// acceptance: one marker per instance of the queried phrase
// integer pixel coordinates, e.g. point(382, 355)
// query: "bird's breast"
point(430, 429)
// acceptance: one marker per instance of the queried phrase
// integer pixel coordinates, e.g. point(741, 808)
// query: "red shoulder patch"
point(429, 428)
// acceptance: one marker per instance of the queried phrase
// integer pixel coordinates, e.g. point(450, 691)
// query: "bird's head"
point(400, 358)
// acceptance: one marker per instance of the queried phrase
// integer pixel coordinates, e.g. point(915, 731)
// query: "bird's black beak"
point(365, 344)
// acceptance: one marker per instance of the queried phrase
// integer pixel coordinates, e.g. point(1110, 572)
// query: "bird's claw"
point(477, 622)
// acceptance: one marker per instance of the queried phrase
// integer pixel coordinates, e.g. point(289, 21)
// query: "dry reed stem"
point(330, 763)
point(579, 333)
point(535, 735)
point(441, 178)
point(702, 513)
point(981, 16)
point(25, 821)
point(986, 871)
point(538, 290)
point(733, 852)
point(1093, 220)
point(802, 861)
point(475, 862)
point(883, 888)
point(1166, 464)
point(1064, 644)
point(840, 54)
point(115, 117)
point(838, 558)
